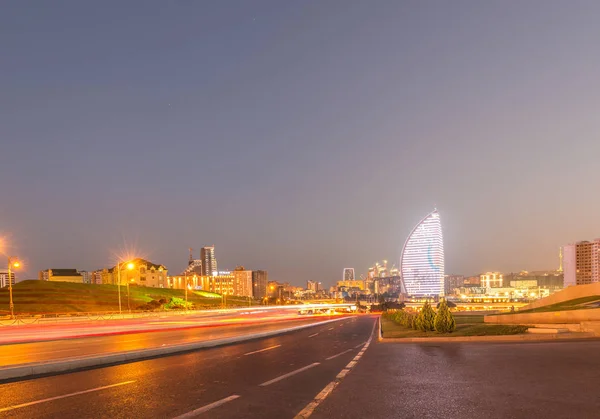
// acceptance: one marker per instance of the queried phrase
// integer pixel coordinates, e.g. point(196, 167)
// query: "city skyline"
point(249, 127)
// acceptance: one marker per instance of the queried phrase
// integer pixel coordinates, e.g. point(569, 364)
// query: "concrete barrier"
point(550, 317)
point(569, 293)
point(78, 363)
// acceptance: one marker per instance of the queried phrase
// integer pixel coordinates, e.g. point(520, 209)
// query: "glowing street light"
point(130, 266)
point(13, 262)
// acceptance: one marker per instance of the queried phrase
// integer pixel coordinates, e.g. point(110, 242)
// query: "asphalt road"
point(273, 378)
point(278, 377)
point(63, 328)
point(471, 380)
point(68, 348)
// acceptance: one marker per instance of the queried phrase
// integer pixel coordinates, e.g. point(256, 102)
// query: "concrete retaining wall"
point(551, 317)
point(569, 293)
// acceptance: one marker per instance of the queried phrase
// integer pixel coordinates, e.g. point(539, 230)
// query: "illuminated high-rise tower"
point(422, 260)
point(348, 274)
point(209, 262)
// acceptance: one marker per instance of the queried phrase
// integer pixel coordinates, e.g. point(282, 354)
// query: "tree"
point(444, 320)
point(425, 318)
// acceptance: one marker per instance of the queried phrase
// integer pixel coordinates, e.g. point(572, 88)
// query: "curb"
point(68, 365)
point(505, 338)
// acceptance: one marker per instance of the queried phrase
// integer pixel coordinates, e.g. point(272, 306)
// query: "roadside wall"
point(551, 317)
point(569, 293)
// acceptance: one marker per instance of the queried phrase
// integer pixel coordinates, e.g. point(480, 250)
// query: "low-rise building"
point(491, 280)
point(4, 278)
point(61, 275)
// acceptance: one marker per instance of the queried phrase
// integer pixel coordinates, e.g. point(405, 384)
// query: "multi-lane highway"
point(273, 377)
point(16, 354)
point(284, 375)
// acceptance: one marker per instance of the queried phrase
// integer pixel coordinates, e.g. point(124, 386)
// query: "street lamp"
point(130, 266)
point(13, 262)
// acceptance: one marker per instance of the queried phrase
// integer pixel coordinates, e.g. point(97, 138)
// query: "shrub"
point(444, 320)
point(425, 318)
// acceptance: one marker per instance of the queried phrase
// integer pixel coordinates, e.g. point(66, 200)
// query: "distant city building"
point(219, 282)
point(553, 280)
point(491, 280)
point(4, 278)
point(452, 282)
point(581, 263)
point(472, 281)
point(242, 282)
point(312, 286)
point(260, 280)
point(351, 284)
point(422, 260)
point(208, 260)
point(194, 266)
point(348, 274)
point(86, 277)
point(137, 271)
point(61, 275)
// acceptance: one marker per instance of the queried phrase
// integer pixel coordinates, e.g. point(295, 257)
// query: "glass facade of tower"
point(422, 260)
point(348, 274)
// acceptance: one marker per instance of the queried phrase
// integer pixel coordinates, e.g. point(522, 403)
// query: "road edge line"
point(328, 389)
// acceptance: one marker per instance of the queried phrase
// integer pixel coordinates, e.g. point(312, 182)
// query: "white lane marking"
point(262, 350)
point(289, 374)
point(18, 406)
point(331, 328)
point(359, 345)
point(208, 407)
point(335, 356)
point(310, 408)
point(312, 336)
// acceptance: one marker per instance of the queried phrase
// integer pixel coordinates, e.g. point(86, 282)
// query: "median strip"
point(19, 406)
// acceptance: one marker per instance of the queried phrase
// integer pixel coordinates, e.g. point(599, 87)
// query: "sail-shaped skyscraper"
point(422, 260)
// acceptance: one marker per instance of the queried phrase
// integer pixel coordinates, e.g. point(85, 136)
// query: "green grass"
point(468, 318)
point(393, 330)
point(576, 304)
point(63, 297)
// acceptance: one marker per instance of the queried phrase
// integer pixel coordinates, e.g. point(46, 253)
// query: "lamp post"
point(130, 267)
point(119, 284)
point(186, 290)
point(12, 262)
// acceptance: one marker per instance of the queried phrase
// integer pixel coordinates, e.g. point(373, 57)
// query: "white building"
point(422, 260)
point(4, 278)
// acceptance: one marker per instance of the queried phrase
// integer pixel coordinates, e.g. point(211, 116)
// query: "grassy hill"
point(64, 297)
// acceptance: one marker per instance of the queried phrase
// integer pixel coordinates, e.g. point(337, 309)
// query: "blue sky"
point(298, 137)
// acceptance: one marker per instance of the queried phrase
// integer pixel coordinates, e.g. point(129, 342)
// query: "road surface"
point(273, 377)
point(23, 353)
point(550, 380)
point(278, 377)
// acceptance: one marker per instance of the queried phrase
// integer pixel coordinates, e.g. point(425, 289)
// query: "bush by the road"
point(425, 318)
point(444, 320)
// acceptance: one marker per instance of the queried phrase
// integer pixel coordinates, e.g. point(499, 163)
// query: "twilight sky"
point(298, 137)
